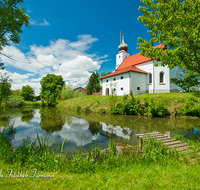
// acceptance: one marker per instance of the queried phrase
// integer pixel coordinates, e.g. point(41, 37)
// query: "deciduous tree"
point(5, 88)
point(175, 24)
point(186, 79)
point(27, 93)
point(12, 18)
point(51, 86)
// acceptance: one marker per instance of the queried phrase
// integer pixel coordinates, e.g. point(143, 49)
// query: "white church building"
point(137, 73)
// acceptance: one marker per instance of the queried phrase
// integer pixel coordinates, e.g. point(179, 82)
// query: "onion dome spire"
point(123, 45)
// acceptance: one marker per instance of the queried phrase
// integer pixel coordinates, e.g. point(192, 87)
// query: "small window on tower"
point(106, 80)
point(138, 88)
point(114, 79)
point(119, 56)
point(122, 77)
point(122, 88)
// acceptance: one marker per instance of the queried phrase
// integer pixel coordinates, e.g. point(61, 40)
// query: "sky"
point(72, 39)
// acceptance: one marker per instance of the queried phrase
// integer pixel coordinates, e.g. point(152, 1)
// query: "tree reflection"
point(51, 119)
point(5, 121)
point(94, 127)
point(28, 115)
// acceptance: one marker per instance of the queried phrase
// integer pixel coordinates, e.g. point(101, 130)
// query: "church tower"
point(123, 54)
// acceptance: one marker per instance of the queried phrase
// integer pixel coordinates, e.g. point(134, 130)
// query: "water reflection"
point(27, 116)
point(51, 119)
point(80, 129)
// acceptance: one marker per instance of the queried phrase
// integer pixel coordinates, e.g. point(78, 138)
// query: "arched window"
point(161, 77)
point(150, 78)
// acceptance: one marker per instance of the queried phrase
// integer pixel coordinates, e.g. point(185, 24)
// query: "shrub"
point(78, 108)
point(14, 101)
point(157, 109)
point(87, 109)
point(102, 111)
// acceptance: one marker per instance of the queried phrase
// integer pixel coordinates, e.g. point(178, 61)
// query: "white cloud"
point(60, 57)
point(39, 22)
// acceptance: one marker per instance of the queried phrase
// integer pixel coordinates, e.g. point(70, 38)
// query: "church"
point(137, 73)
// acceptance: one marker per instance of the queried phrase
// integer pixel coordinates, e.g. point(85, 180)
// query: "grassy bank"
point(156, 167)
point(158, 105)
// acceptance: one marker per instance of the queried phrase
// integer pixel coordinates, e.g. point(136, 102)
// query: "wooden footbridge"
point(177, 145)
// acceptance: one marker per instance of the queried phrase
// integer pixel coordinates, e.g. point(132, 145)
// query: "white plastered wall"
point(148, 67)
point(122, 86)
point(165, 86)
point(138, 80)
point(120, 57)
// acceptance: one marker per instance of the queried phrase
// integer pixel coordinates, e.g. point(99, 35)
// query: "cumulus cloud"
point(60, 57)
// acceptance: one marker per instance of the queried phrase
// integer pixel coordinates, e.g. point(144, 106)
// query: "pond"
point(88, 129)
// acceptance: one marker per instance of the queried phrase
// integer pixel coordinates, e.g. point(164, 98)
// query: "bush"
point(156, 109)
point(14, 101)
point(78, 108)
point(190, 108)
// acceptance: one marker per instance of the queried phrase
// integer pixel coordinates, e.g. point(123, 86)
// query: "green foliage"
point(16, 92)
point(156, 109)
point(186, 79)
point(5, 88)
point(14, 101)
point(27, 93)
point(125, 97)
point(31, 104)
point(175, 24)
point(155, 151)
point(102, 111)
point(190, 108)
point(94, 84)
point(131, 107)
point(67, 91)
point(78, 108)
point(87, 109)
point(51, 86)
point(104, 73)
point(12, 18)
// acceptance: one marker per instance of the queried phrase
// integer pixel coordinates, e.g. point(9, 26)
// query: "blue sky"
point(72, 39)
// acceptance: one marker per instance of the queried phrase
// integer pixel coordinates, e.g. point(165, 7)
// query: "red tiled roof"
point(136, 59)
point(129, 64)
point(125, 70)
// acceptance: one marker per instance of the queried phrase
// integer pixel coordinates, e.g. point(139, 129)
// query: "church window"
point(138, 88)
point(114, 89)
point(122, 88)
point(150, 78)
point(119, 56)
point(122, 77)
point(114, 79)
point(106, 80)
point(161, 77)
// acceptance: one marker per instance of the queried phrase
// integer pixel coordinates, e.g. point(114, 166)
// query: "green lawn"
point(154, 176)
point(172, 101)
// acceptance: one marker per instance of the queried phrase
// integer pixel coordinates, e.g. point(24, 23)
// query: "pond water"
point(87, 129)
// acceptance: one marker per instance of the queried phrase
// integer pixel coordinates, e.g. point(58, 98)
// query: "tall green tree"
point(5, 88)
point(12, 18)
point(94, 84)
point(186, 79)
point(175, 24)
point(51, 86)
point(27, 93)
